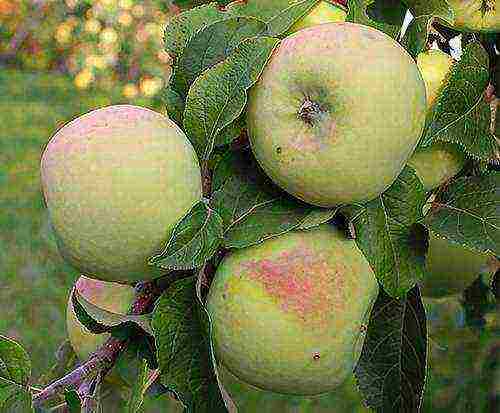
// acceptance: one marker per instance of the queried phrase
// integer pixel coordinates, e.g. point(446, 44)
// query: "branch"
point(104, 358)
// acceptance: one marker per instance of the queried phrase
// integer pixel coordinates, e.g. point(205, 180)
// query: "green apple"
point(437, 163)
point(323, 12)
point(312, 121)
point(450, 268)
point(250, 399)
point(441, 161)
point(289, 315)
point(434, 65)
point(463, 15)
point(112, 297)
point(116, 181)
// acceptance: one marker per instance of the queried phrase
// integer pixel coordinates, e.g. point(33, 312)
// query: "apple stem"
point(309, 111)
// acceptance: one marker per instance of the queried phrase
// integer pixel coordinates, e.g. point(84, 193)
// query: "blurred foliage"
point(107, 44)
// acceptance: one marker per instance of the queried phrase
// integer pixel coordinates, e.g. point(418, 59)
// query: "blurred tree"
point(104, 44)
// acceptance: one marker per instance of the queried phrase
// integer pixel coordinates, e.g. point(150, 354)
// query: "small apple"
point(312, 122)
point(434, 65)
point(463, 15)
point(450, 268)
point(116, 181)
point(289, 315)
point(112, 297)
point(439, 162)
point(323, 12)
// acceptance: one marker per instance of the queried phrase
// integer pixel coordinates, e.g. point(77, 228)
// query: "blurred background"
point(62, 58)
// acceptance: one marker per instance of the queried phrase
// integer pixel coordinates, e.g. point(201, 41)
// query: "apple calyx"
point(309, 111)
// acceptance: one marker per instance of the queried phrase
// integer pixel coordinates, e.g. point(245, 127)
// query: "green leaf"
point(317, 217)
point(15, 373)
point(251, 206)
point(183, 349)
point(468, 213)
point(232, 131)
point(209, 46)
point(461, 115)
point(194, 241)
point(439, 8)
point(99, 320)
point(182, 27)
point(416, 36)
point(392, 367)
point(386, 232)
point(73, 401)
point(218, 97)
point(136, 398)
point(174, 103)
point(212, 45)
point(384, 15)
point(279, 15)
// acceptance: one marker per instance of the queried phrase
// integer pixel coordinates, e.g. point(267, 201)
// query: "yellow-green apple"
point(440, 161)
point(463, 15)
point(116, 181)
point(249, 399)
point(450, 268)
point(312, 121)
point(289, 315)
point(113, 297)
point(437, 163)
point(435, 66)
point(323, 12)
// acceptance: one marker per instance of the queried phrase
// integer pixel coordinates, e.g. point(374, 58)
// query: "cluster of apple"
point(109, 44)
point(117, 181)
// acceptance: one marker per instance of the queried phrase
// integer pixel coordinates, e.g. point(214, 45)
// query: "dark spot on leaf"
point(278, 150)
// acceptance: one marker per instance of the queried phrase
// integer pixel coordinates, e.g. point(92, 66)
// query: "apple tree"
point(295, 231)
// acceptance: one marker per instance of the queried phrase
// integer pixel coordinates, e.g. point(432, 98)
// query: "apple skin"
point(250, 399)
point(434, 65)
point(289, 315)
point(312, 123)
point(323, 12)
point(467, 15)
point(112, 297)
point(437, 163)
point(450, 268)
point(116, 181)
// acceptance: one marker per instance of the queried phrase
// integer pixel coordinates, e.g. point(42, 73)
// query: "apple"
point(313, 123)
point(112, 297)
point(116, 181)
point(323, 12)
point(434, 65)
point(450, 268)
point(290, 314)
point(248, 399)
point(462, 15)
point(439, 162)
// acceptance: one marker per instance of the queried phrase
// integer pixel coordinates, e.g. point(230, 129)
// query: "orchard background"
point(59, 59)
